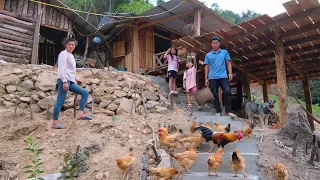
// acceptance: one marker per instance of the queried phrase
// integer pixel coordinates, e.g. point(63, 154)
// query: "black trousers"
point(225, 86)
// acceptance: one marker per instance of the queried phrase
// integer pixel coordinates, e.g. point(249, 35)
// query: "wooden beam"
point(2, 2)
point(168, 18)
point(282, 21)
point(163, 37)
point(281, 77)
point(295, 67)
point(246, 84)
point(265, 91)
point(34, 57)
point(197, 22)
point(135, 49)
point(245, 71)
point(307, 97)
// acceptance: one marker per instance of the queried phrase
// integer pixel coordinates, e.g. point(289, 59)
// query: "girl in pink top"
point(189, 78)
point(173, 68)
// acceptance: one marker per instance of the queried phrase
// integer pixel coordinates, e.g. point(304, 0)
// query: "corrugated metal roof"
point(210, 21)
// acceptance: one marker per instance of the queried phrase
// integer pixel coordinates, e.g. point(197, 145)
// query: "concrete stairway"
point(249, 150)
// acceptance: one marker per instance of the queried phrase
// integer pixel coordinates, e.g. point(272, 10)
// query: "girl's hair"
point(171, 53)
point(67, 40)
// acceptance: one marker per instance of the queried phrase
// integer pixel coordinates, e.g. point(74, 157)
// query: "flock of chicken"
point(190, 143)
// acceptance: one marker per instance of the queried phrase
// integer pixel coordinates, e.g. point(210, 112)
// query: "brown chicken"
point(186, 159)
point(246, 131)
point(238, 163)
point(222, 129)
point(214, 162)
point(167, 141)
point(162, 173)
point(163, 130)
point(193, 125)
point(191, 142)
point(280, 171)
point(125, 161)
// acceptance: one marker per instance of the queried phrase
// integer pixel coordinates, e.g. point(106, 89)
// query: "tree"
point(135, 6)
point(160, 2)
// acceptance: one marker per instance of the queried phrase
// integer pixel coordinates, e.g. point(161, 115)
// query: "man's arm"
point(206, 71)
point(229, 66)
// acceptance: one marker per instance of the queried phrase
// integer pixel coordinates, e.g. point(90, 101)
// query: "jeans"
point(225, 86)
point(62, 94)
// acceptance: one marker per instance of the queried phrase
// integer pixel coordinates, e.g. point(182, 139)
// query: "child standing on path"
point(173, 67)
point(189, 79)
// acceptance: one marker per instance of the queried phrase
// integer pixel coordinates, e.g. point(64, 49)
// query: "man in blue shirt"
point(216, 75)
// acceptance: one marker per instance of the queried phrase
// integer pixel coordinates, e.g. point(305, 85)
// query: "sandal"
point(85, 118)
point(60, 126)
point(190, 106)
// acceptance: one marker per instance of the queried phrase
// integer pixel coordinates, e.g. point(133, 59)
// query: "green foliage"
point(35, 168)
point(297, 87)
point(160, 1)
point(232, 16)
point(73, 164)
point(135, 6)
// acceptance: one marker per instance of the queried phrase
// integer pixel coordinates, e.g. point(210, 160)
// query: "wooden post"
point(35, 49)
point(307, 97)
point(197, 22)
point(86, 52)
point(135, 49)
point(281, 77)
point(246, 85)
point(265, 91)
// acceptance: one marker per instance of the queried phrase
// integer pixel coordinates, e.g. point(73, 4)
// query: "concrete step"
point(243, 146)
point(204, 176)
point(251, 160)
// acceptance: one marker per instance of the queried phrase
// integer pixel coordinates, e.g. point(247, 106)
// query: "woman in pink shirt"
point(189, 78)
point(173, 68)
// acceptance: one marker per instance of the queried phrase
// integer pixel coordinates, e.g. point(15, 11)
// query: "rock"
point(152, 104)
point(150, 96)
point(35, 97)
point(117, 88)
point(117, 101)
point(104, 103)
point(109, 90)
point(99, 176)
point(144, 131)
point(141, 84)
point(110, 113)
point(46, 81)
point(8, 103)
point(125, 89)
point(42, 95)
point(10, 88)
point(111, 97)
point(97, 100)
point(138, 142)
point(94, 81)
point(13, 174)
point(48, 101)
point(25, 99)
point(119, 93)
point(106, 175)
point(117, 133)
point(131, 83)
point(36, 108)
point(17, 71)
point(165, 160)
point(68, 103)
point(10, 80)
point(151, 161)
point(52, 135)
point(130, 136)
point(162, 98)
point(161, 110)
point(112, 107)
point(2, 88)
point(125, 106)
point(27, 84)
point(129, 94)
point(98, 92)
point(8, 97)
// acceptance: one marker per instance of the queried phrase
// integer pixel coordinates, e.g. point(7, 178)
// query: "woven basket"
point(203, 96)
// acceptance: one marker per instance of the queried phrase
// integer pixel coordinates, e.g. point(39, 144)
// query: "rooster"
point(125, 162)
point(220, 139)
point(237, 163)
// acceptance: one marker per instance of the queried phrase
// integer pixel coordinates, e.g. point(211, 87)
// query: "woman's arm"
point(166, 54)
point(62, 66)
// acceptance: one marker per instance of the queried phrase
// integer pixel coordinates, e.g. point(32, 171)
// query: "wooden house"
point(32, 32)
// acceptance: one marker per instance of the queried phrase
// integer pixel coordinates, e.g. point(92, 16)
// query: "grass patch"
point(293, 102)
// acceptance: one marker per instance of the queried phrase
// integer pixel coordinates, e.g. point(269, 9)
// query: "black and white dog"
point(260, 110)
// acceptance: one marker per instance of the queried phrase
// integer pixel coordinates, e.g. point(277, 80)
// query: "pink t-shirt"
point(190, 77)
point(173, 63)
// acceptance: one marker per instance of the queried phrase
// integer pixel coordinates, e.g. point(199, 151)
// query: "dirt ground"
point(56, 143)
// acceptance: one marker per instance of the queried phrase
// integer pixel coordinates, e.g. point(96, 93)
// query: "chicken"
point(214, 162)
point(125, 161)
point(163, 130)
point(193, 125)
point(222, 129)
point(186, 158)
point(177, 135)
point(280, 171)
point(191, 142)
point(221, 139)
point(167, 141)
point(238, 163)
point(162, 173)
point(246, 131)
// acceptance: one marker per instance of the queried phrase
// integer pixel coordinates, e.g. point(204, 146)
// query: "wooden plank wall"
point(51, 17)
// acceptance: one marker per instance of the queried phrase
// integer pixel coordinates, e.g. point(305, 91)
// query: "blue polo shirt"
point(217, 64)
